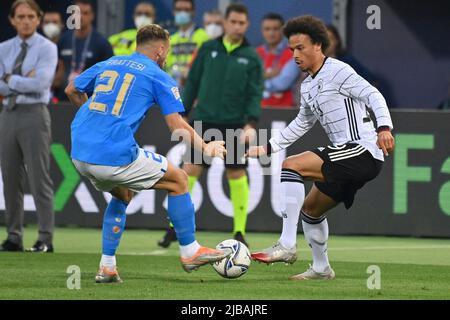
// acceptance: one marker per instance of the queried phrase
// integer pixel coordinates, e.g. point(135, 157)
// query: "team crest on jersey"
point(176, 92)
point(214, 54)
point(242, 60)
point(320, 85)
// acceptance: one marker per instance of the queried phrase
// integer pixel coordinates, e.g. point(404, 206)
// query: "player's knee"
point(308, 209)
point(311, 211)
point(123, 194)
point(128, 195)
point(291, 164)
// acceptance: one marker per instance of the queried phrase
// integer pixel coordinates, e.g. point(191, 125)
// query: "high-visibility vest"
point(182, 50)
point(123, 43)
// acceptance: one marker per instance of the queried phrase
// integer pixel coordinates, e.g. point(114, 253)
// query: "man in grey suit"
point(27, 67)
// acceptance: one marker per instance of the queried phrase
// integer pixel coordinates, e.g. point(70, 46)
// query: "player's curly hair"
point(151, 32)
point(311, 26)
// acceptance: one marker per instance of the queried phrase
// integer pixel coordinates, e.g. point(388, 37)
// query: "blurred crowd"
point(83, 47)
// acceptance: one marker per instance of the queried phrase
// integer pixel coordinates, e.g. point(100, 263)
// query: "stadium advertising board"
point(411, 196)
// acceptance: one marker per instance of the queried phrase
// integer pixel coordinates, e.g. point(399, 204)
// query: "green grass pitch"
point(410, 269)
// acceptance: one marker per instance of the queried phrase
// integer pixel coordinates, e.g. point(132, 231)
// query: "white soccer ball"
point(237, 263)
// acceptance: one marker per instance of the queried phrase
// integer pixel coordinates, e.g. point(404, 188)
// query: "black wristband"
point(383, 128)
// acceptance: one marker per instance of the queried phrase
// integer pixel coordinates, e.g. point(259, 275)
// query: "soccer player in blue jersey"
point(104, 149)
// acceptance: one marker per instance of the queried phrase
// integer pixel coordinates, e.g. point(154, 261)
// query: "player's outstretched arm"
point(181, 129)
point(76, 98)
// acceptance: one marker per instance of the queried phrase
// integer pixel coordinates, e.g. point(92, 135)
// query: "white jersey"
point(338, 97)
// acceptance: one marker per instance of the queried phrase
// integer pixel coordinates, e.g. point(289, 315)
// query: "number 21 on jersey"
point(108, 88)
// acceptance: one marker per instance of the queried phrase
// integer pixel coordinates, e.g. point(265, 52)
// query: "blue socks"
point(182, 215)
point(113, 225)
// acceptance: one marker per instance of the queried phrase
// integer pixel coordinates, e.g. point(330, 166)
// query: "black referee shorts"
point(346, 169)
point(212, 132)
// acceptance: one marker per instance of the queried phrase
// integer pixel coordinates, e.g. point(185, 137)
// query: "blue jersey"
point(124, 88)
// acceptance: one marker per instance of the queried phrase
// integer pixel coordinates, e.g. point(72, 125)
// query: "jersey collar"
point(244, 42)
point(29, 41)
point(315, 74)
point(143, 56)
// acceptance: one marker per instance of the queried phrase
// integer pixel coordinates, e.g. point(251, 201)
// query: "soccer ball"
point(236, 264)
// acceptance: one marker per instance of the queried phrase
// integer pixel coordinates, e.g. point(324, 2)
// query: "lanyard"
point(278, 54)
point(189, 33)
point(83, 53)
point(183, 59)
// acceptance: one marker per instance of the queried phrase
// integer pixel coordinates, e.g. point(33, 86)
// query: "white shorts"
point(142, 174)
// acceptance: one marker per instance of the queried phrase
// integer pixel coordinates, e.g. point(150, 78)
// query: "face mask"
point(142, 20)
point(182, 18)
point(214, 30)
point(51, 30)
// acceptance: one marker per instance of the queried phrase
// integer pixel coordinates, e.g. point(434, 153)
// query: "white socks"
point(189, 250)
point(108, 261)
point(185, 251)
point(315, 229)
point(316, 234)
point(292, 198)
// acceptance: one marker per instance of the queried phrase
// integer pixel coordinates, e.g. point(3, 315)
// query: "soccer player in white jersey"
point(336, 96)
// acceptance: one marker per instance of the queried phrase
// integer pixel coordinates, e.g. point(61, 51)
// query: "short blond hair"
point(151, 32)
